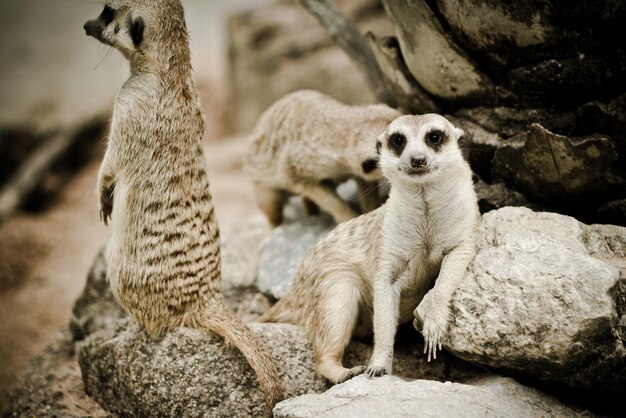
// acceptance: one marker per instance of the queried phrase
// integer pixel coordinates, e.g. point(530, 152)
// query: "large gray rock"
point(96, 308)
point(281, 255)
point(240, 251)
point(130, 374)
point(197, 374)
point(390, 396)
point(190, 372)
point(545, 299)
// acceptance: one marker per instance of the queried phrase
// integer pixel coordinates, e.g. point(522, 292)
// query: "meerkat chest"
point(419, 235)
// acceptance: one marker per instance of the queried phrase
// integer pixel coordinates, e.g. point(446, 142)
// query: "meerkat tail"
point(221, 320)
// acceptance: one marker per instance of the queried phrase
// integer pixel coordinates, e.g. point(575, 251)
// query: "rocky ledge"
point(543, 302)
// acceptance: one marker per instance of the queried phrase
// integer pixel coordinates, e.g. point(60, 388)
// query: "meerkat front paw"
point(348, 374)
point(374, 370)
point(355, 371)
point(431, 319)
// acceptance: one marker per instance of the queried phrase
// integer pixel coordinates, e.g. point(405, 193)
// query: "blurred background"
point(537, 86)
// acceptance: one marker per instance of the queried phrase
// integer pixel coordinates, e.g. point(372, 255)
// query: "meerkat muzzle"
point(90, 28)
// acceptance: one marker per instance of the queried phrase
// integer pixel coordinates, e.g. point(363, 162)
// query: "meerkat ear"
point(458, 134)
point(461, 143)
point(136, 30)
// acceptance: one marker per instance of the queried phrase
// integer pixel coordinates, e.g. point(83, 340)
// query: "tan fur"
point(373, 271)
point(163, 259)
point(306, 144)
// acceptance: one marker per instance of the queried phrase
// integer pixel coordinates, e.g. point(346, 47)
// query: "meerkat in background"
point(373, 271)
point(306, 144)
point(163, 258)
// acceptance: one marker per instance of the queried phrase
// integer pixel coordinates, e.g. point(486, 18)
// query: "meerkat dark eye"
point(397, 142)
point(136, 30)
point(435, 137)
point(107, 15)
point(369, 165)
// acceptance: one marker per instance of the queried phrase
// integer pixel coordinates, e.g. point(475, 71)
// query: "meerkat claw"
point(375, 371)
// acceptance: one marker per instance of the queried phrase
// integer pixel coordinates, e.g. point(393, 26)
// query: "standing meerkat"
point(163, 258)
point(373, 271)
point(306, 144)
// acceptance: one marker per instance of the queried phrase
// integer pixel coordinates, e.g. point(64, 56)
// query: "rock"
point(288, 244)
point(434, 60)
point(479, 144)
point(491, 27)
point(96, 308)
point(524, 31)
point(553, 167)
point(497, 195)
point(279, 48)
point(248, 303)
point(51, 385)
point(240, 251)
point(410, 362)
point(189, 371)
point(544, 300)
point(509, 121)
point(608, 119)
point(571, 80)
point(549, 54)
point(410, 96)
point(125, 371)
point(614, 212)
point(388, 396)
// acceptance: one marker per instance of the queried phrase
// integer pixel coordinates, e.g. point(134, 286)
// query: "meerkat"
point(306, 144)
point(403, 260)
point(163, 258)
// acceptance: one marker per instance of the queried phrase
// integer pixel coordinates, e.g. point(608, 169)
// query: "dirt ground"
point(45, 257)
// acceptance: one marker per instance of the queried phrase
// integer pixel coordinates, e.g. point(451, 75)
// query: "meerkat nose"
point(418, 162)
point(88, 26)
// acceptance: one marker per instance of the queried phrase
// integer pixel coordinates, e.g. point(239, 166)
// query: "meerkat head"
point(367, 148)
point(140, 29)
point(419, 149)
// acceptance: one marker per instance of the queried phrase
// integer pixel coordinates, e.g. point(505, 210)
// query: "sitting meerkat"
point(306, 144)
point(373, 271)
point(163, 258)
